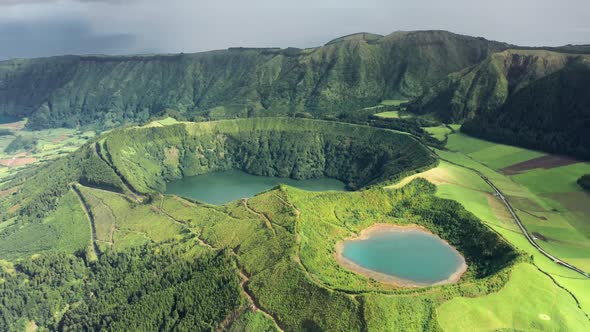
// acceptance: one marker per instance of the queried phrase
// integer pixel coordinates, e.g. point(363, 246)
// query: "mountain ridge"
point(108, 91)
point(515, 92)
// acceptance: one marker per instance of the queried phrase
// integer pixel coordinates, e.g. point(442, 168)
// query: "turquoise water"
point(412, 255)
point(226, 186)
point(8, 119)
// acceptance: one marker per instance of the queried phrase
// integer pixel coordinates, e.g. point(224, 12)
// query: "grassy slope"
point(440, 132)
point(67, 229)
point(521, 305)
point(530, 98)
point(467, 191)
point(549, 202)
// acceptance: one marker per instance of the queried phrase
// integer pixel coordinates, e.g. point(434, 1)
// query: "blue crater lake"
point(226, 186)
point(8, 119)
point(405, 256)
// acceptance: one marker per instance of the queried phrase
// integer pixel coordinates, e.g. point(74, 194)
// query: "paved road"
point(526, 233)
point(509, 207)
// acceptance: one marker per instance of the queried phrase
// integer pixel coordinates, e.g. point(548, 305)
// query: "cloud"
point(121, 26)
point(51, 38)
point(29, 2)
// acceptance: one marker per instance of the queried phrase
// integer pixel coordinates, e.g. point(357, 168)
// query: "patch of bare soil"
point(4, 193)
point(14, 208)
point(59, 139)
point(435, 175)
point(545, 162)
point(15, 162)
point(13, 125)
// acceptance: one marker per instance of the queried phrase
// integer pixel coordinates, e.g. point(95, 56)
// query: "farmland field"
point(555, 215)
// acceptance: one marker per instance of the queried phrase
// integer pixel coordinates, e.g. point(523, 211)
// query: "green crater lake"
point(8, 119)
point(406, 256)
point(226, 186)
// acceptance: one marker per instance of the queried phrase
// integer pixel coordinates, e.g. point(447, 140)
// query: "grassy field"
point(558, 214)
point(440, 132)
point(495, 156)
point(530, 301)
point(121, 223)
point(549, 201)
point(50, 144)
point(396, 113)
point(389, 115)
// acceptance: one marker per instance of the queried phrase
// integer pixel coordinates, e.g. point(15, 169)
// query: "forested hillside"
point(342, 76)
point(144, 159)
point(532, 98)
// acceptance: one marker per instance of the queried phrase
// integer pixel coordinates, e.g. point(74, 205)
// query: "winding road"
point(509, 207)
point(516, 218)
point(526, 233)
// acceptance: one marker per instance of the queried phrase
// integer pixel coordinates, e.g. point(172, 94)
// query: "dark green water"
point(8, 119)
point(412, 255)
point(226, 186)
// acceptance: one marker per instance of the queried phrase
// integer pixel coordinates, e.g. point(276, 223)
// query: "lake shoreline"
point(386, 278)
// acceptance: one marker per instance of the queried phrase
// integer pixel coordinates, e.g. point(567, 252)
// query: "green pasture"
point(51, 144)
point(389, 115)
point(555, 180)
point(547, 201)
point(393, 102)
point(439, 132)
point(530, 301)
point(493, 155)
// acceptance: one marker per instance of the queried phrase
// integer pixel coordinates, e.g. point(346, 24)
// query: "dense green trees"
point(285, 147)
point(535, 99)
point(342, 76)
point(142, 289)
point(551, 114)
point(584, 182)
point(40, 188)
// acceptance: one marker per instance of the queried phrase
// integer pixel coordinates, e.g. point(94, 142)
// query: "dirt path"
point(88, 212)
point(244, 279)
point(184, 225)
point(254, 304)
point(131, 192)
point(263, 216)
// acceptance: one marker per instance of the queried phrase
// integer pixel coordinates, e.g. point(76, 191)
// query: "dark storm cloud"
point(51, 38)
point(25, 2)
point(42, 27)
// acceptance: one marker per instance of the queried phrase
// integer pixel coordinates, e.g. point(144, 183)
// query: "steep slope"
point(345, 74)
point(533, 98)
point(143, 159)
point(551, 114)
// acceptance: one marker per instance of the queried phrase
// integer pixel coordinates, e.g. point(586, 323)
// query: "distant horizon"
point(281, 47)
point(41, 28)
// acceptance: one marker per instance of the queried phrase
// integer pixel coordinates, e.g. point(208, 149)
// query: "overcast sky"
point(30, 28)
